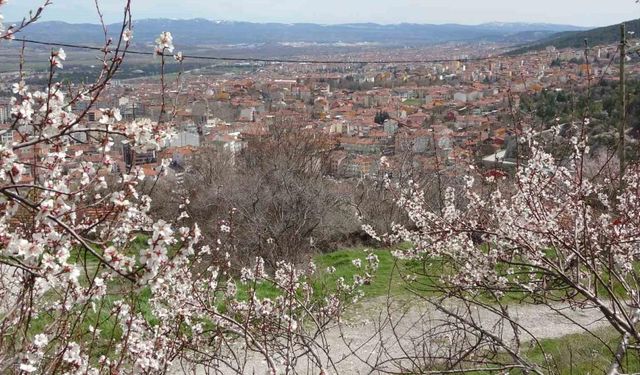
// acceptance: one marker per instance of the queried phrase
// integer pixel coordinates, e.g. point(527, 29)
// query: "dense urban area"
point(456, 112)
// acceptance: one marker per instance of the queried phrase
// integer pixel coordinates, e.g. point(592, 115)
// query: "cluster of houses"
point(439, 113)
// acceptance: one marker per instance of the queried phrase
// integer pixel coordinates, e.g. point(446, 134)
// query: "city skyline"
point(590, 13)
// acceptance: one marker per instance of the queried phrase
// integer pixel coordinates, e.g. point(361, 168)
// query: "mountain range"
point(576, 39)
point(202, 32)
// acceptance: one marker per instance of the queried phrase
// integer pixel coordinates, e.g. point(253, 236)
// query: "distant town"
point(445, 114)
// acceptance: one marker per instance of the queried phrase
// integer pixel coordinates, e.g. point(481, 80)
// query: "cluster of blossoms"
point(145, 134)
point(57, 58)
point(127, 35)
point(10, 168)
point(164, 43)
point(110, 116)
point(368, 267)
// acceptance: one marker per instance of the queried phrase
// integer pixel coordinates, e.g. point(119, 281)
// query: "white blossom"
point(127, 35)
point(27, 367)
point(164, 43)
point(57, 57)
point(40, 340)
point(20, 88)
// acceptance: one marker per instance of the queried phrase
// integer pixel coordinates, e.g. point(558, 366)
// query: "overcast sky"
point(575, 12)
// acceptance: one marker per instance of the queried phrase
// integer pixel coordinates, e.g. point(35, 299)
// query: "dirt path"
point(377, 331)
point(401, 330)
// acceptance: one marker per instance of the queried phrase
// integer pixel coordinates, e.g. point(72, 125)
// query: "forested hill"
point(575, 39)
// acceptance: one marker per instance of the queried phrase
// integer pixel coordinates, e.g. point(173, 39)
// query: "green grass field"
point(577, 354)
point(584, 354)
point(388, 280)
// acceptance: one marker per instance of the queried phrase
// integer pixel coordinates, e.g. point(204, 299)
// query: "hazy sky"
point(575, 12)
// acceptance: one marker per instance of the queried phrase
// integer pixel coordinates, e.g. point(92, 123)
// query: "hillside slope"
point(575, 39)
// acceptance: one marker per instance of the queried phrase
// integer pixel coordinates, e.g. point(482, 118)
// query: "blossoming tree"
point(90, 284)
point(562, 234)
